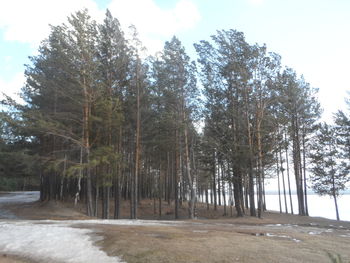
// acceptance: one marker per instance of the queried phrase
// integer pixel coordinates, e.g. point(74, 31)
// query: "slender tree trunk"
point(304, 171)
point(63, 176)
point(77, 194)
point(189, 175)
point(170, 173)
point(250, 144)
point(230, 198)
point(90, 208)
point(138, 143)
point(335, 196)
point(279, 185)
point(336, 206)
point(207, 197)
point(297, 165)
point(283, 182)
point(117, 185)
point(214, 182)
point(160, 191)
point(96, 200)
point(236, 194)
point(219, 182)
point(176, 174)
point(211, 192)
point(260, 169)
point(264, 194)
point(107, 189)
point(246, 192)
point(117, 198)
point(287, 163)
point(223, 188)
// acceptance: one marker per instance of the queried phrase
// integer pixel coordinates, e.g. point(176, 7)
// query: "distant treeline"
point(103, 122)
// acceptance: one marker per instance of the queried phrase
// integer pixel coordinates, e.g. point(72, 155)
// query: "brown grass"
point(211, 238)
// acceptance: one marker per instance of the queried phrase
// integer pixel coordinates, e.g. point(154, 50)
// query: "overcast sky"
point(312, 36)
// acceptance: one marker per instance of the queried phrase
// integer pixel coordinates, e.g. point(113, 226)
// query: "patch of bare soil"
point(45, 210)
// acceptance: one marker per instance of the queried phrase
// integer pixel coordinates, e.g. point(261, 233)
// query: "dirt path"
point(23, 240)
point(6, 200)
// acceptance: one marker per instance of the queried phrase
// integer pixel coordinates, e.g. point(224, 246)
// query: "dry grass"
point(220, 242)
point(212, 238)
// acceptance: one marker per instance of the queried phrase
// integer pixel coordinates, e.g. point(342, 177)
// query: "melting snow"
point(314, 233)
point(283, 236)
point(59, 240)
point(20, 197)
point(56, 242)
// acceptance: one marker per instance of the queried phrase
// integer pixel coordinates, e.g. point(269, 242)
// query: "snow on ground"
point(51, 242)
point(119, 222)
point(20, 197)
point(56, 241)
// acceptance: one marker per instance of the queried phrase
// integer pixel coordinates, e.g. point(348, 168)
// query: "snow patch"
point(283, 236)
point(52, 242)
point(314, 233)
point(115, 222)
point(20, 197)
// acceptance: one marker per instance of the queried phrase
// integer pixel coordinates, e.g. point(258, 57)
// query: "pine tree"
point(329, 173)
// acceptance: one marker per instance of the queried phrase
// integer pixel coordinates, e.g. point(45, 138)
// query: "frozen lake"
point(322, 206)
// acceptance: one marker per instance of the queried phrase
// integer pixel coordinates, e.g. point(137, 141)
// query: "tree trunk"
point(96, 200)
point(63, 176)
point(336, 206)
point(335, 196)
point(237, 197)
point(207, 197)
point(117, 198)
point(297, 165)
point(214, 182)
point(279, 185)
point(250, 144)
point(304, 171)
point(138, 143)
point(287, 163)
point(90, 208)
point(260, 170)
point(176, 174)
point(283, 182)
point(219, 182)
point(160, 191)
point(223, 188)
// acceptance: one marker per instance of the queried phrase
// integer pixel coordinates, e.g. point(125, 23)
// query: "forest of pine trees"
point(101, 121)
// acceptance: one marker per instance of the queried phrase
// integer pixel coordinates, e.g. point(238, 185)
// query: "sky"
point(312, 36)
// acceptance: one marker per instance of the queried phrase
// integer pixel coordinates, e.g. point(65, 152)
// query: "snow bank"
point(52, 242)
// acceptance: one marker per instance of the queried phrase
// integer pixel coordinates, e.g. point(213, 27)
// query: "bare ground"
point(276, 238)
point(212, 238)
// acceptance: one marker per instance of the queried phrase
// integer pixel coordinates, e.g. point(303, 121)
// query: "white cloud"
point(153, 23)
point(28, 21)
point(12, 87)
